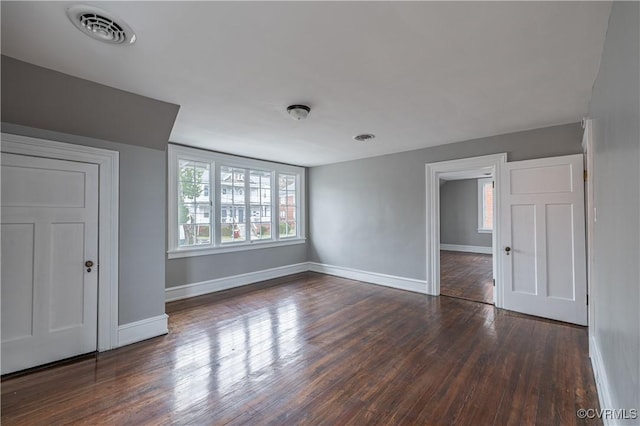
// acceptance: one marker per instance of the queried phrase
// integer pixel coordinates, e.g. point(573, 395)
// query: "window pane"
point(291, 182)
point(260, 230)
point(186, 234)
point(184, 193)
point(203, 213)
point(254, 195)
point(193, 203)
point(203, 234)
point(287, 205)
point(232, 185)
point(232, 204)
point(260, 183)
point(226, 231)
point(230, 232)
point(287, 229)
point(232, 224)
point(487, 201)
point(185, 211)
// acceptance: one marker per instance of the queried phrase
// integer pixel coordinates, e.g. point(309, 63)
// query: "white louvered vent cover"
point(101, 25)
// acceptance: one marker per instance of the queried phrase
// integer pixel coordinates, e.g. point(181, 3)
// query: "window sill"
point(485, 231)
point(230, 248)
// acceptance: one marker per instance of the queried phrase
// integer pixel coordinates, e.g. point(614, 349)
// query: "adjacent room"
point(320, 213)
point(466, 235)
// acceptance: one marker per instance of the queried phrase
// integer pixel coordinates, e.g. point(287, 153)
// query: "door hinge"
point(494, 282)
point(493, 183)
point(587, 300)
point(586, 175)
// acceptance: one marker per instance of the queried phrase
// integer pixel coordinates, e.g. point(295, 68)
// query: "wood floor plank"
point(466, 275)
point(315, 349)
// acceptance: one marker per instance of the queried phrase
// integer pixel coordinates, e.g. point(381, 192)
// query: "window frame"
point(277, 210)
point(217, 160)
point(481, 205)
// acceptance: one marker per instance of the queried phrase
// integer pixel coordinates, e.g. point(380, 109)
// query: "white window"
point(220, 203)
point(485, 205)
point(194, 223)
point(287, 190)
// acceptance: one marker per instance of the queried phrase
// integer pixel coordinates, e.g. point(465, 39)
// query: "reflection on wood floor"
point(315, 349)
point(466, 275)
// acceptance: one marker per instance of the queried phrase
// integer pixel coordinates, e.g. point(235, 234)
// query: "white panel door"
point(49, 230)
point(543, 245)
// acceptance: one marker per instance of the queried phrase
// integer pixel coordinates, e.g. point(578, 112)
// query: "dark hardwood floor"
point(466, 275)
point(315, 349)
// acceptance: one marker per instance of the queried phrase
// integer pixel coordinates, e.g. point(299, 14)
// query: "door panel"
point(560, 265)
point(541, 180)
point(49, 229)
point(17, 281)
point(523, 235)
point(35, 187)
point(543, 217)
point(67, 280)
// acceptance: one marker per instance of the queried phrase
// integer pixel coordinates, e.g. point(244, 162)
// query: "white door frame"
point(587, 146)
point(492, 163)
point(108, 163)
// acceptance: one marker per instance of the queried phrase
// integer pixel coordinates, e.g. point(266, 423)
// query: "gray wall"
point(189, 270)
point(39, 97)
point(142, 222)
point(370, 214)
point(459, 214)
point(616, 275)
point(41, 103)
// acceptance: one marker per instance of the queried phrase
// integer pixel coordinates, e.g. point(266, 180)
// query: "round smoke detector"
point(101, 25)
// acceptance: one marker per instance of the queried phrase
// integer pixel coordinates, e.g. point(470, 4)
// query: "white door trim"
point(108, 163)
point(492, 163)
point(587, 146)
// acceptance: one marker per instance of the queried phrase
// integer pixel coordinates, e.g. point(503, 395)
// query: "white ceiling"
point(416, 74)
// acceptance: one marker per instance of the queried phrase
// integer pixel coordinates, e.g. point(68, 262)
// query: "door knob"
point(508, 250)
point(88, 264)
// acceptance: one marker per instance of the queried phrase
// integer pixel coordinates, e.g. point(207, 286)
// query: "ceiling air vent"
point(364, 137)
point(101, 25)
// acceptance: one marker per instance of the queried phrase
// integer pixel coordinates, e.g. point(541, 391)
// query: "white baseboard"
point(219, 284)
point(143, 329)
point(402, 283)
point(466, 249)
point(602, 382)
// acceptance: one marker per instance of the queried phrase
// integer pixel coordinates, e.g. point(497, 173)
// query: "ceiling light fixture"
point(298, 112)
point(100, 25)
point(364, 137)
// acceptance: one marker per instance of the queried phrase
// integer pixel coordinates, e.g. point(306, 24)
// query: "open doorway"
point(536, 204)
point(464, 168)
point(466, 227)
